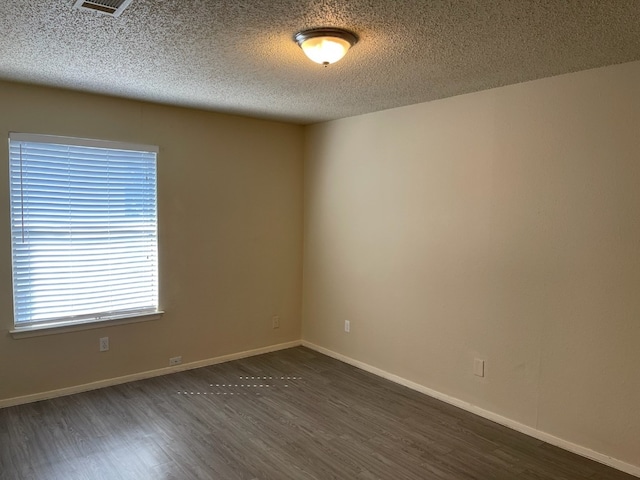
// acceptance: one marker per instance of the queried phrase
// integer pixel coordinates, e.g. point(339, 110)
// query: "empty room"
point(315, 240)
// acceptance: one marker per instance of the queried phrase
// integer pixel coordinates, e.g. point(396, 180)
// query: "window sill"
point(39, 331)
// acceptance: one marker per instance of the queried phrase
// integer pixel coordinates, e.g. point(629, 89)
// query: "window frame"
point(97, 320)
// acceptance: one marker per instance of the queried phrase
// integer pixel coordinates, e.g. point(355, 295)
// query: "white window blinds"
point(84, 230)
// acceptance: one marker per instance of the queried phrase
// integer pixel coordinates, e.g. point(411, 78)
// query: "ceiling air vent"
point(112, 8)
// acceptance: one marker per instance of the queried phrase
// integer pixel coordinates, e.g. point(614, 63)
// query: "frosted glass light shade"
point(325, 50)
point(325, 45)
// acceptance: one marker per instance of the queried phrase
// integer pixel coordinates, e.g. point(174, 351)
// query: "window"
point(83, 230)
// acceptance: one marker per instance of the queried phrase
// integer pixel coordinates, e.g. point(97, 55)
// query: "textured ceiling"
point(239, 57)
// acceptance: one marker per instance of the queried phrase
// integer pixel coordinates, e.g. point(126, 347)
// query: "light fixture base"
point(304, 35)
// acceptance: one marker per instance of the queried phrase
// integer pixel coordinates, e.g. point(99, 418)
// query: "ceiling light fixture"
point(325, 45)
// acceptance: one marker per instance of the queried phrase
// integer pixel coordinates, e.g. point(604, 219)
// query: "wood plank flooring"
point(293, 414)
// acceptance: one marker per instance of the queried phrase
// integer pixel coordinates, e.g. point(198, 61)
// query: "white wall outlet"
point(104, 344)
point(275, 321)
point(175, 361)
point(478, 367)
point(347, 326)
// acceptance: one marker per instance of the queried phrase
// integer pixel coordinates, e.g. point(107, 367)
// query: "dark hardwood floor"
point(294, 414)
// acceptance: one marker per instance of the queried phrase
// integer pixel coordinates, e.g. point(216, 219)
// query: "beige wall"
point(230, 238)
point(503, 225)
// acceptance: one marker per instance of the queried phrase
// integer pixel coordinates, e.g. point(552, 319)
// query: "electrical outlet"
point(275, 321)
point(104, 344)
point(478, 367)
point(175, 361)
point(347, 326)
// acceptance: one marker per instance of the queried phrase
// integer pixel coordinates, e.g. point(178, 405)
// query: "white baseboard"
point(494, 417)
point(10, 402)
